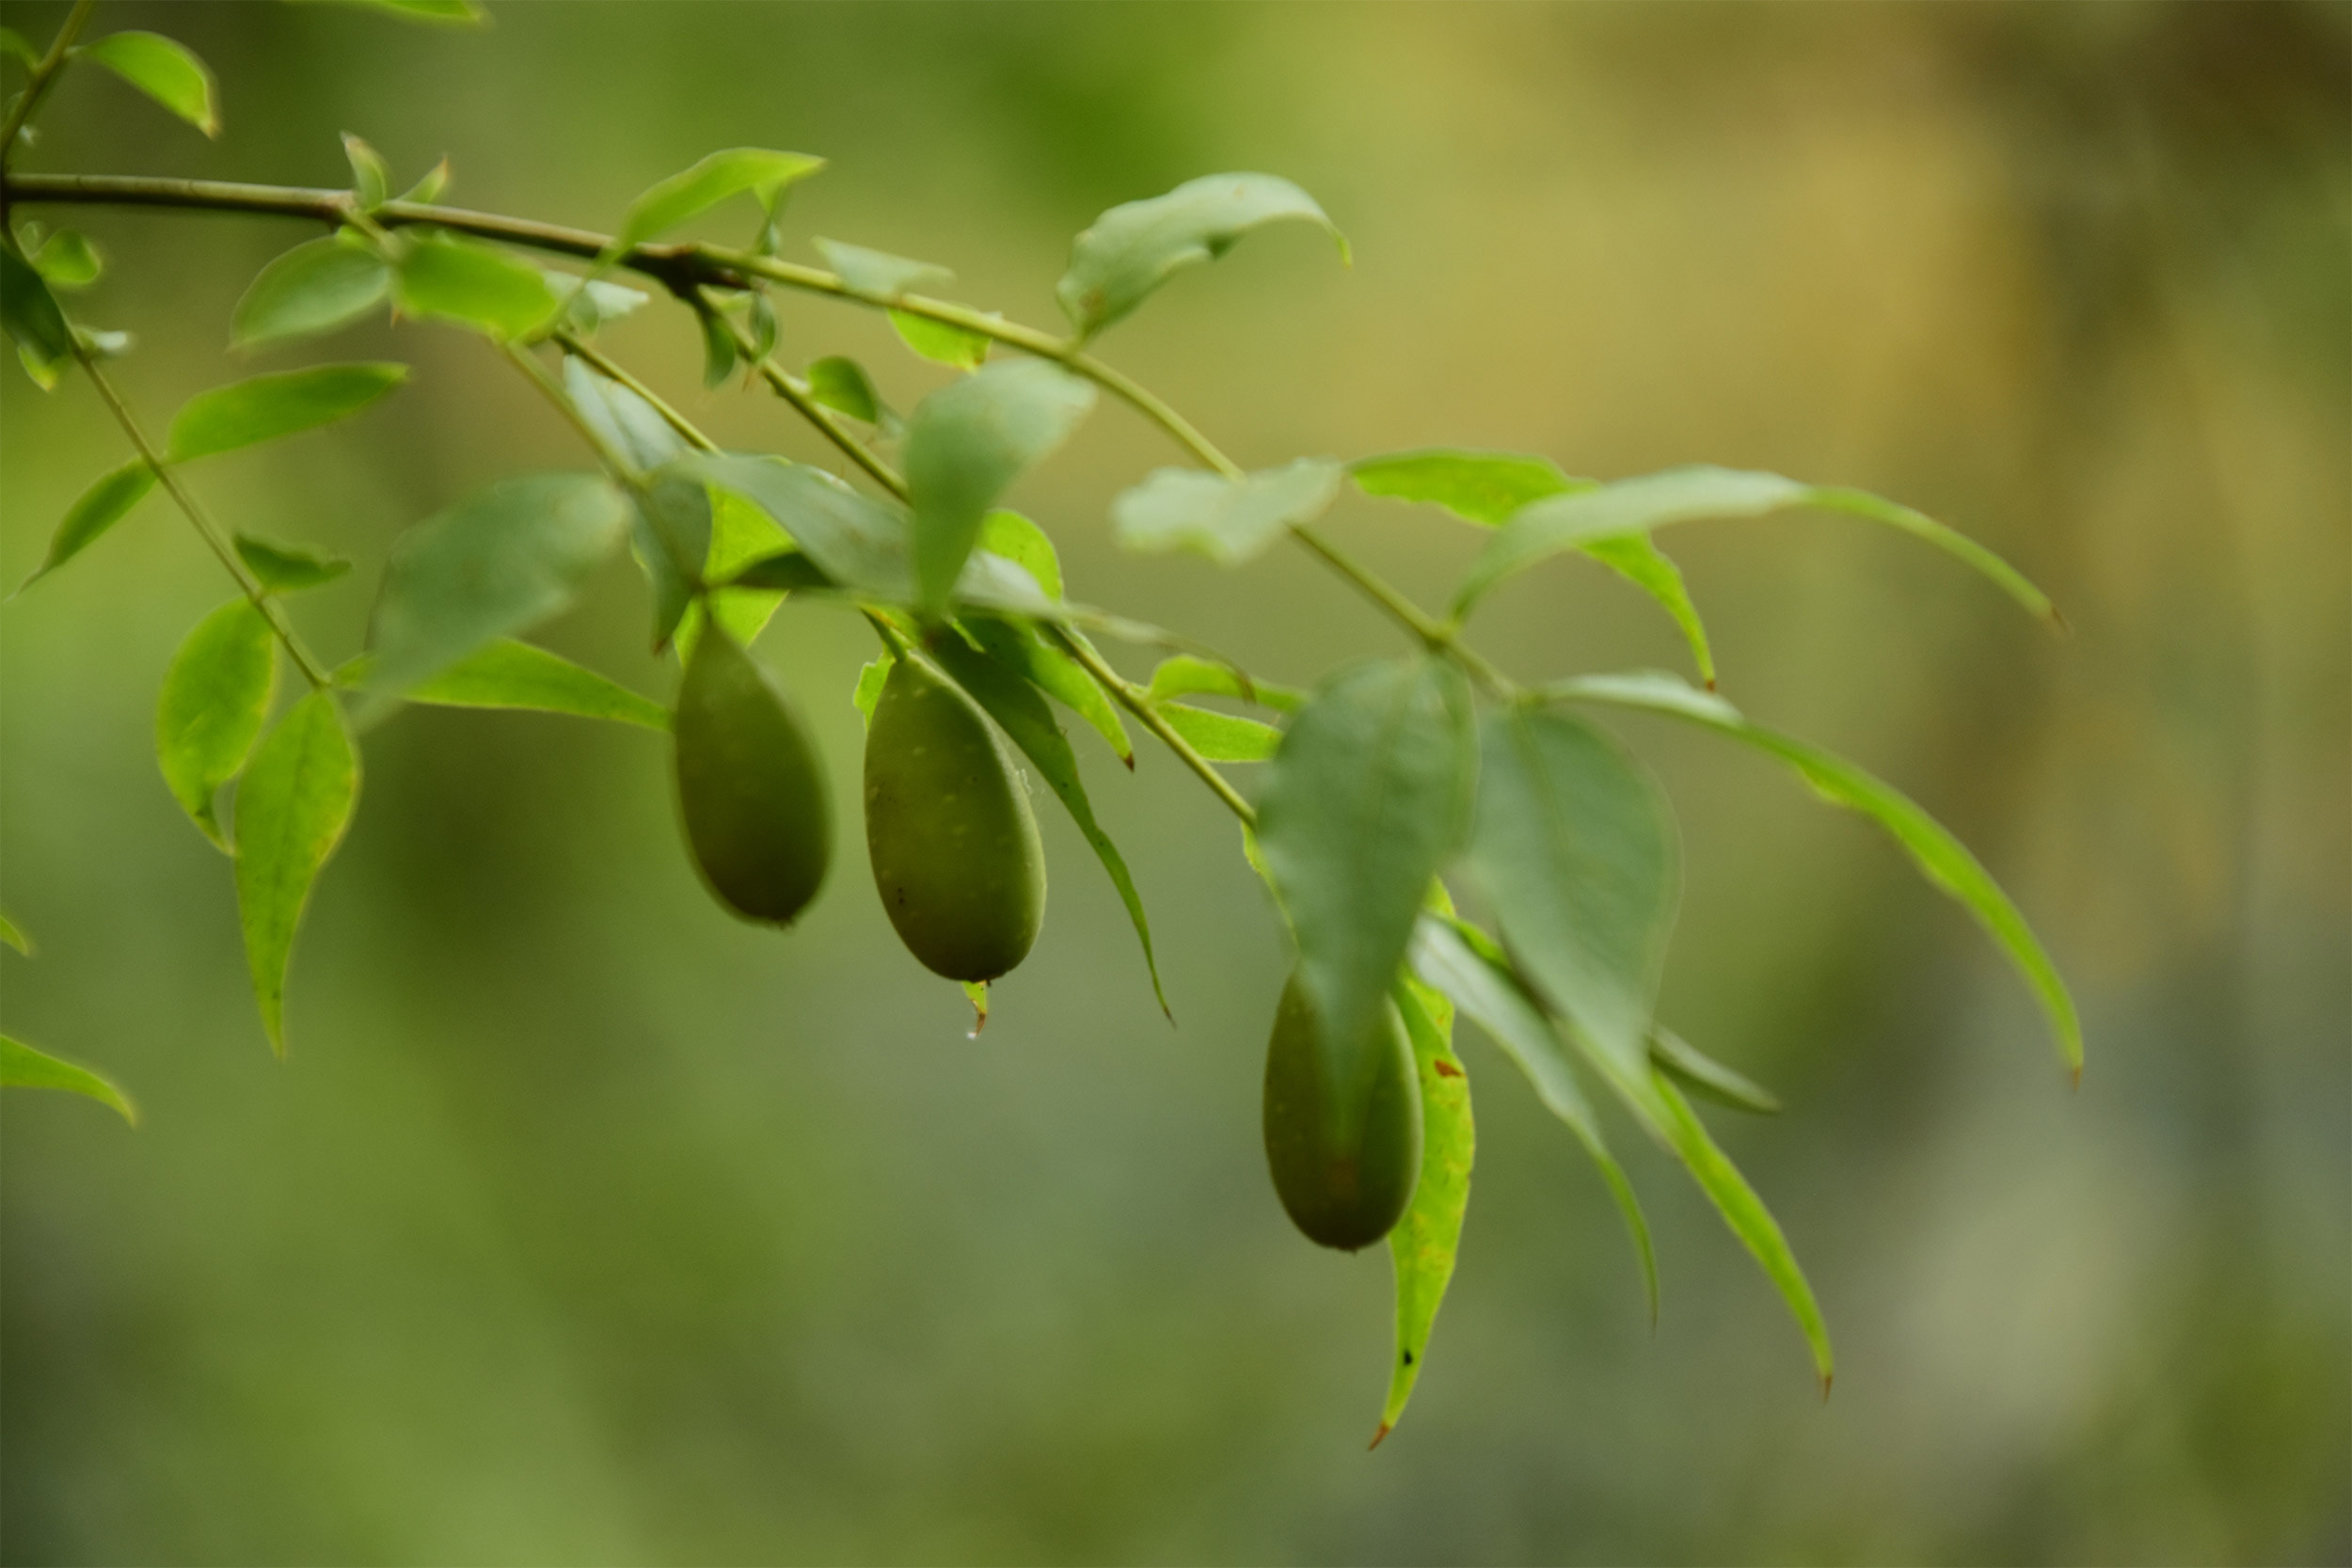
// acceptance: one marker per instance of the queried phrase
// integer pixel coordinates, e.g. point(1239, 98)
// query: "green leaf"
point(860, 542)
point(1131, 249)
point(12, 43)
point(461, 13)
point(1575, 847)
point(1221, 737)
point(97, 509)
point(1687, 1065)
point(11, 937)
point(1229, 521)
point(1184, 676)
point(1446, 955)
point(719, 350)
point(1747, 1216)
point(495, 564)
point(1481, 487)
point(68, 260)
point(1486, 487)
point(164, 70)
point(741, 534)
point(316, 287)
point(23, 1068)
point(1942, 859)
point(1577, 520)
point(1422, 1247)
point(1026, 545)
point(780, 573)
point(214, 700)
point(942, 342)
point(371, 182)
point(673, 533)
point(670, 202)
point(869, 688)
point(1021, 713)
point(1053, 672)
point(878, 272)
point(841, 384)
point(512, 675)
point(1369, 795)
point(264, 407)
point(288, 568)
point(1634, 558)
point(474, 285)
point(293, 806)
point(621, 418)
point(34, 322)
point(969, 440)
point(428, 190)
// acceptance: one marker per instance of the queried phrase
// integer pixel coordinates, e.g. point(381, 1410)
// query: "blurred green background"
point(587, 1225)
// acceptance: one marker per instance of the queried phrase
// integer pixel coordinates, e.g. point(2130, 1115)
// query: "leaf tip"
point(2058, 621)
point(1826, 1379)
point(1386, 1426)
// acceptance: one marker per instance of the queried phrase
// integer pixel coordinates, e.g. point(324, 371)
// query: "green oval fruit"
point(947, 822)
point(1345, 1191)
point(750, 785)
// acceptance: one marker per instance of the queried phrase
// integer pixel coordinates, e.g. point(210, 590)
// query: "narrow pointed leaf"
point(969, 440)
point(670, 202)
point(1055, 673)
point(97, 509)
point(163, 69)
point(1221, 737)
point(842, 385)
point(428, 190)
point(1477, 486)
point(288, 568)
point(781, 573)
point(941, 342)
point(869, 688)
point(35, 324)
point(511, 674)
point(1021, 713)
point(13, 44)
point(621, 417)
point(1641, 563)
point(215, 699)
point(1185, 675)
point(1747, 1216)
point(490, 566)
point(1576, 519)
point(878, 272)
point(314, 287)
point(23, 1068)
point(1695, 1071)
point(1229, 521)
point(264, 407)
point(1942, 859)
point(1481, 984)
point(474, 285)
point(291, 808)
point(11, 937)
point(1132, 250)
point(459, 13)
point(1422, 1247)
point(1575, 847)
point(1368, 797)
point(718, 348)
point(371, 182)
point(673, 522)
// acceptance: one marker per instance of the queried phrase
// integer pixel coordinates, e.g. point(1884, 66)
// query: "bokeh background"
point(587, 1225)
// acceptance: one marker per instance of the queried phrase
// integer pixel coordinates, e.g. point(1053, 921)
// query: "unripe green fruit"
point(750, 785)
point(1349, 1191)
point(955, 848)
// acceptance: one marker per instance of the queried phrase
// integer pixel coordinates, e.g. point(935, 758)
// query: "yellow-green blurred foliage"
point(585, 1224)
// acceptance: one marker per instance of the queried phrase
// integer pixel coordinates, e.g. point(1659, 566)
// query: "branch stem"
point(206, 528)
point(44, 76)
